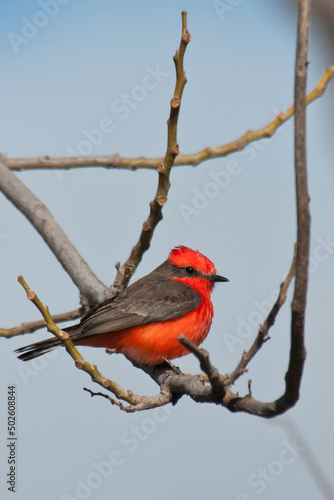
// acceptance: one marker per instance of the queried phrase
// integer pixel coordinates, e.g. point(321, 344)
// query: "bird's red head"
point(182, 256)
point(200, 272)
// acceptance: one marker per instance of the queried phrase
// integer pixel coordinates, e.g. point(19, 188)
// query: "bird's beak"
point(216, 277)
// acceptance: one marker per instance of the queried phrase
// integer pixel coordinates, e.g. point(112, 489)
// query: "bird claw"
point(110, 351)
point(175, 368)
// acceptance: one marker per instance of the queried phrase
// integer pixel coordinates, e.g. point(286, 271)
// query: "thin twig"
point(126, 271)
point(194, 159)
point(32, 326)
point(297, 351)
point(262, 335)
point(216, 380)
point(298, 306)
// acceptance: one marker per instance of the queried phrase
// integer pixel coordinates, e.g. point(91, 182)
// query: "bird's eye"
point(190, 270)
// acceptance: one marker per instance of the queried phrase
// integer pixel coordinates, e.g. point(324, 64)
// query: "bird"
point(144, 321)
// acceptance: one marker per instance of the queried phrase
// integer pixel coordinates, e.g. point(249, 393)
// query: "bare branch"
point(32, 326)
point(44, 222)
point(208, 153)
point(126, 271)
point(298, 352)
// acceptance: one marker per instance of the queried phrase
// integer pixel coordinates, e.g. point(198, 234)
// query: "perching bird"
point(144, 321)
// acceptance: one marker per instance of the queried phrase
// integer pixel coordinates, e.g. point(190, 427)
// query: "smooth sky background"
point(55, 89)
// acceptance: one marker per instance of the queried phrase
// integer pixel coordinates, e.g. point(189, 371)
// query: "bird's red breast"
point(151, 343)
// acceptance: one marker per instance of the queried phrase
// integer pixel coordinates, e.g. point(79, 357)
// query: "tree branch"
point(298, 352)
point(32, 326)
point(43, 221)
point(194, 159)
point(217, 381)
point(126, 271)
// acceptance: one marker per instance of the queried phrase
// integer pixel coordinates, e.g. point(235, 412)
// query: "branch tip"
point(184, 22)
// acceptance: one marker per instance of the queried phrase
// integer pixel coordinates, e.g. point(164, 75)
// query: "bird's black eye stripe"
point(190, 270)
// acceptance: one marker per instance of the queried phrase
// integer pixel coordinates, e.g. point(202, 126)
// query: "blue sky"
point(56, 90)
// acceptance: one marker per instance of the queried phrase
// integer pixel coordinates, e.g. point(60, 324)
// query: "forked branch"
point(32, 326)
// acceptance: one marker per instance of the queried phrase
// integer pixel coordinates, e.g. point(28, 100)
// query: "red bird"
point(144, 321)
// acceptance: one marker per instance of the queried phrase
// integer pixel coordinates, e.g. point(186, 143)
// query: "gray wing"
point(140, 304)
point(148, 300)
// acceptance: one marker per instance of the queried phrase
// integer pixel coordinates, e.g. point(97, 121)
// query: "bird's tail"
point(32, 351)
